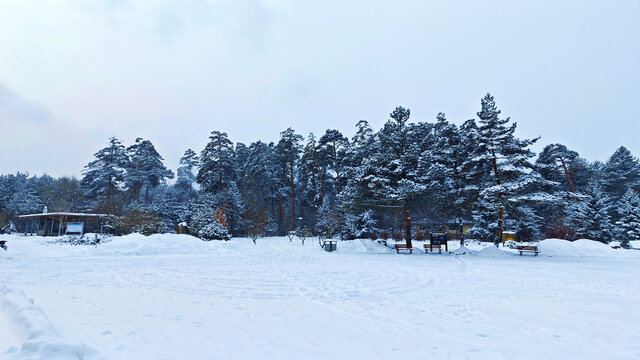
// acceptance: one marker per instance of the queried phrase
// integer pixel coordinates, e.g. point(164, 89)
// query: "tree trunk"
point(293, 196)
point(323, 175)
point(407, 224)
point(281, 205)
point(335, 166)
point(566, 174)
point(501, 213)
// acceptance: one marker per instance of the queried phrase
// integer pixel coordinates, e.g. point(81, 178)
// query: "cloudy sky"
point(75, 72)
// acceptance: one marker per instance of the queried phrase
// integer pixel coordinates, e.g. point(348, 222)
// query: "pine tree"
point(145, 169)
point(621, 172)
point(209, 220)
point(289, 149)
point(261, 173)
point(186, 178)
point(217, 163)
point(328, 221)
point(332, 147)
point(590, 218)
point(312, 176)
point(555, 164)
point(356, 196)
point(395, 182)
point(629, 213)
point(504, 174)
point(103, 178)
point(24, 198)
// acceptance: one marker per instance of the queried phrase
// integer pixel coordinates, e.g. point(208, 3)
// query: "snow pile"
point(362, 246)
point(157, 244)
point(42, 340)
point(578, 248)
point(490, 251)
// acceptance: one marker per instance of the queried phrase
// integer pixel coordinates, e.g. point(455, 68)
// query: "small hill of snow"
point(578, 248)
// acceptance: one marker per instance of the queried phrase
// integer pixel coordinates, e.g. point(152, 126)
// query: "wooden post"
point(60, 226)
point(53, 221)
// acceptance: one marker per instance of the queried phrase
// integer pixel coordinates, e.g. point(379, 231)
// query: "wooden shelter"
point(61, 223)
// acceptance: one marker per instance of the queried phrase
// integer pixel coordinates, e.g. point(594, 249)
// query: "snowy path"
point(282, 300)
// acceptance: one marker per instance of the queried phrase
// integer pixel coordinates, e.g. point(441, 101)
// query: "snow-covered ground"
point(176, 297)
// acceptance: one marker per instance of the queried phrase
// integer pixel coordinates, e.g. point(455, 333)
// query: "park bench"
point(403, 247)
point(431, 247)
point(527, 248)
point(3, 244)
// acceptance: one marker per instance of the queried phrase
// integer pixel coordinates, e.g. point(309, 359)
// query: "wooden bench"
point(527, 248)
point(430, 247)
point(3, 244)
point(403, 247)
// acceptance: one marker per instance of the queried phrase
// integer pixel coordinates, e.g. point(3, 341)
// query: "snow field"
point(176, 297)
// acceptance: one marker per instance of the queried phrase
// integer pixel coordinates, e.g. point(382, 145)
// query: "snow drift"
point(578, 248)
point(42, 340)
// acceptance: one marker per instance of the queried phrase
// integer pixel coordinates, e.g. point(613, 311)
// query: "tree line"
point(403, 180)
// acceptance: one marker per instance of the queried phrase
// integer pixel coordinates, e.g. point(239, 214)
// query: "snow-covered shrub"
point(214, 231)
point(138, 218)
point(210, 223)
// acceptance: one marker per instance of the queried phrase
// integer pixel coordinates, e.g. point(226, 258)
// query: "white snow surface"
point(176, 297)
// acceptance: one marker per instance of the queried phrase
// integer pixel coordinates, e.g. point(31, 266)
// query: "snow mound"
point(462, 250)
point(157, 244)
point(42, 340)
point(362, 246)
point(578, 248)
point(490, 251)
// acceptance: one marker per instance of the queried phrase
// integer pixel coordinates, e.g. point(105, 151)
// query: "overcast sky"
point(73, 73)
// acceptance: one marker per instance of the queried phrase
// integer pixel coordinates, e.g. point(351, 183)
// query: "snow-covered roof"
point(64, 214)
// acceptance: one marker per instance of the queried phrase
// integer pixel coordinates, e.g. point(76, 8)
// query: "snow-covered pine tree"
point(103, 178)
point(555, 164)
point(590, 218)
point(312, 182)
point(444, 172)
point(217, 177)
point(395, 180)
point(501, 164)
point(563, 170)
point(628, 209)
point(145, 169)
point(139, 218)
point(209, 220)
point(333, 147)
point(23, 198)
point(217, 163)
point(172, 207)
point(328, 221)
point(262, 178)
point(620, 173)
point(289, 148)
point(186, 177)
point(356, 195)
point(361, 225)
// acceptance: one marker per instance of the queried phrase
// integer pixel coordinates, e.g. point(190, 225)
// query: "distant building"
point(61, 223)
